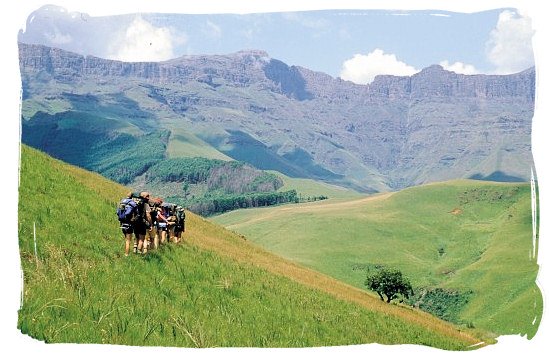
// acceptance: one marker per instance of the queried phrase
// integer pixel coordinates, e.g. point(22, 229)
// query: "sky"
point(484, 23)
point(355, 45)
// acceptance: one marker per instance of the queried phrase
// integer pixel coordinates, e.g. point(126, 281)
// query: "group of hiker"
point(151, 222)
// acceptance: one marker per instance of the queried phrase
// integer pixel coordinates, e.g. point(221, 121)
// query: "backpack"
point(127, 210)
point(168, 211)
point(152, 210)
point(180, 214)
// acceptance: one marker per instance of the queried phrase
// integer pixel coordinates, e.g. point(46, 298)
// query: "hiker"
point(171, 212)
point(152, 232)
point(180, 223)
point(133, 213)
point(162, 222)
point(143, 222)
point(127, 214)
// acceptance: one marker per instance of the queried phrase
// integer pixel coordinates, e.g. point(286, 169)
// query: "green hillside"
point(159, 160)
point(467, 245)
point(312, 188)
point(214, 290)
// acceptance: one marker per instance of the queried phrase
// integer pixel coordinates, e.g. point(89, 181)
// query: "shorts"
point(179, 228)
point(140, 228)
point(162, 226)
point(127, 229)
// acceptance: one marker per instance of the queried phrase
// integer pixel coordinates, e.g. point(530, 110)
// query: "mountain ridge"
point(396, 132)
point(155, 69)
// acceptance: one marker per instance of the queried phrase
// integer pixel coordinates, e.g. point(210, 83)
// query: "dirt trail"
point(324, 206)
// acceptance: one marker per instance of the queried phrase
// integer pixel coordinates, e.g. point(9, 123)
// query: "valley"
point(467, 237)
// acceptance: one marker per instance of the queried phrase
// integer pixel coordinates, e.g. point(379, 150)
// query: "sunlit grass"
point(464, 235)
point(213, 290)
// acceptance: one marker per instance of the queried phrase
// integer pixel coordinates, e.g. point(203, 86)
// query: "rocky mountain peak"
point(432, 69)
point(396, 131)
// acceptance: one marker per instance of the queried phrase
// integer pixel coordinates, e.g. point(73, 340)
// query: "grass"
point(214, 290)
point(183, 143)
point(464, 236)
point(311, 188)
point(96, 143)
point(51, 106)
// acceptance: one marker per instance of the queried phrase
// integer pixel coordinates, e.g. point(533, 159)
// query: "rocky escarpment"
point(392, 133)
point(432, 82)
point(248, 67)
point(241, 68)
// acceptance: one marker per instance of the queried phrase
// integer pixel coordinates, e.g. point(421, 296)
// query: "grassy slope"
point(308, 187)
point(214, 290)
point(483, 229)
point(183, 143)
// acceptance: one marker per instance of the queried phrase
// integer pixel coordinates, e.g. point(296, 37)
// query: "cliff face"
point(247, 67)
point(395, 132)
point(63, 66)
point(434, 82)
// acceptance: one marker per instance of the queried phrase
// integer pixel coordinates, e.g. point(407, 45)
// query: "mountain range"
point(396, 132)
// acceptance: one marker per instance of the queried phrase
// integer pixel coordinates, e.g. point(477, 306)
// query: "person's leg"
point(140, 240)
point(163, 236)
point(150, 242)
point(140, 231)
point(146, 241)
point(156, 237)
point(177, 234)
point(172, 233)
point(128, 241)
point(128, 232)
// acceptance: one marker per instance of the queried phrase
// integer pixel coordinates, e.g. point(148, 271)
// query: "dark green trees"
point(389, 282)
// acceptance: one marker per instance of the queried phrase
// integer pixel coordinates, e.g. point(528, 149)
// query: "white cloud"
point(362, 69)
point(509, 47)
point(142, 41)
point(459, 68)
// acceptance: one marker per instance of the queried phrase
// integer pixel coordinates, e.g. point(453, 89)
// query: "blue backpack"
point(127, 210)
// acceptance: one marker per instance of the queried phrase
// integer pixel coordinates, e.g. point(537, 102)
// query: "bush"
point(443, 303)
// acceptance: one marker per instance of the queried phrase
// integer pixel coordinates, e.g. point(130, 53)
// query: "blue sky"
point(353, 44)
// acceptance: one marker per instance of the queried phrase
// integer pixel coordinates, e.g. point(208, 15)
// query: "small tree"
point(389, 282)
